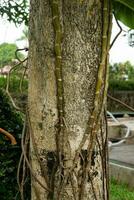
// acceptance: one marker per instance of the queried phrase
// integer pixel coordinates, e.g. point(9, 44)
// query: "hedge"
point(121, 85)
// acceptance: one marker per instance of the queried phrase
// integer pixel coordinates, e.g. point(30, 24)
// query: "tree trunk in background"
point(68, 48)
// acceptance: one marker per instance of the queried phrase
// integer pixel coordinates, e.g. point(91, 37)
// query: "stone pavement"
point(121, 164)
point(123, 154)
point(121, 157)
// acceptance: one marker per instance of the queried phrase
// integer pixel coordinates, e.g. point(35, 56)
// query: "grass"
point(120, 191)
point(19, 96)
point(14, 84)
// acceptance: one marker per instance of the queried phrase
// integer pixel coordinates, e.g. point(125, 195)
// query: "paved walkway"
point(121, 157)
point(123, 154)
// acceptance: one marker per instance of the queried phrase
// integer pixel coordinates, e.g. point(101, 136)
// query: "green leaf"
point(124, 13)
point(16, 11)
point(128, 3)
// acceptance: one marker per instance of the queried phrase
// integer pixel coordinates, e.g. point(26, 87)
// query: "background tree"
point(15, 10)
point(7, 54)
point(121, 71)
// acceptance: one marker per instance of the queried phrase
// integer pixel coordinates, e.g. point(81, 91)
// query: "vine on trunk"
point(58, 67)
point(95, 118)
point(93, 121)
point(56, 19)
point(100, 92)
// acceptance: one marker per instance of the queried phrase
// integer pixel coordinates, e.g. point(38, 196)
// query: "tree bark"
point(67, 59)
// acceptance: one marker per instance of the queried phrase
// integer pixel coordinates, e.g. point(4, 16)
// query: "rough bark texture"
point(81, 25)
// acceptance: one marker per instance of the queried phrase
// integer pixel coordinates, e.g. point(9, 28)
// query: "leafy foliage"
point(7, 53)
point(9, 120)
point(20, 98)
point(16, 10)
point(121, 71)
point(124, 11)
point(121, 85)
point(128, 3)
point(121, 76)
point(14, 84)
point(9, 155)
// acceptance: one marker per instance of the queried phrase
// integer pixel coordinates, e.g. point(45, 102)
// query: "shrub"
point(14, 84)
point(11, 121)
point(121, 85)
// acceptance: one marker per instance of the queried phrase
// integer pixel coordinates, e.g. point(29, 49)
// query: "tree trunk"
point(69, 41)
